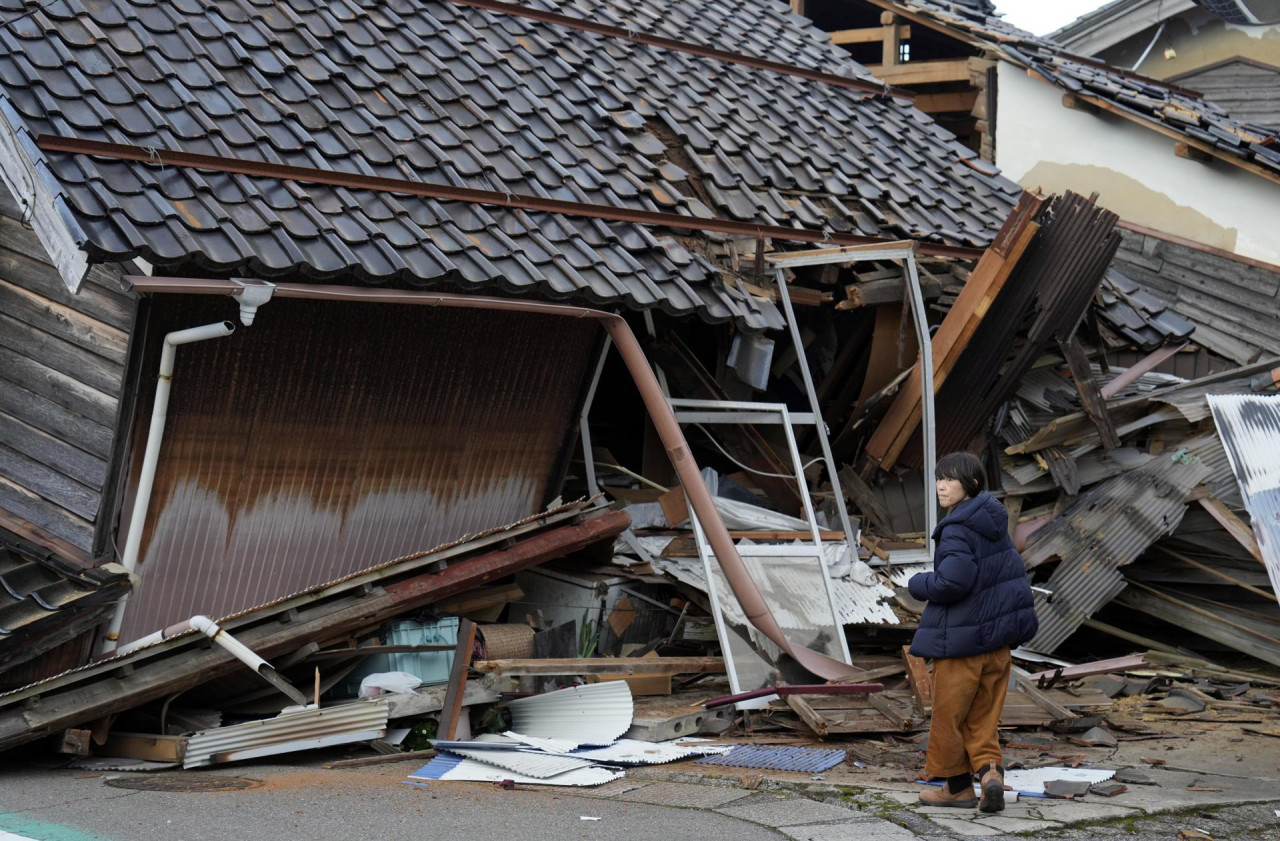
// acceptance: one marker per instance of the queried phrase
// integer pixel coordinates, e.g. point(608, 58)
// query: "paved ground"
point(301, 800)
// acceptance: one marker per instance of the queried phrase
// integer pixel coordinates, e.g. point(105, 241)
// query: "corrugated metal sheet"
point(526, 762)
point(452, 767)
point(62, 359)
point(778, 759)
point(592, 714)
point(1249, 426)
point(1051, 285)
point(329, 435)
point(805, 606)
point(636, 752)
point(302, 730)
point(1108, 527)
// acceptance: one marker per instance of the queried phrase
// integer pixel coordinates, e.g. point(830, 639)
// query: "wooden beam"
point(941, 103)
point(1087, 387)
point(1234, 526)
point(452, 709)
point(1075, 103)
point(1185, 150)
point(971, 305)
point(867, 35)
point(923, 72)
point(808, 715)
point(604, 666)
point(1026, 684)
point(365, 761)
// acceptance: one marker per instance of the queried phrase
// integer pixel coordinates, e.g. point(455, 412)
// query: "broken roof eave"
point(1107, 26)
point(996, 48)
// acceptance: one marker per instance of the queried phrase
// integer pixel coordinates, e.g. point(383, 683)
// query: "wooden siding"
point(1247, 90)
point(62, 359)
point(1234, 305)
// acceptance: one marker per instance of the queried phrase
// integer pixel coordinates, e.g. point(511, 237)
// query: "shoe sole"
point(992, 797)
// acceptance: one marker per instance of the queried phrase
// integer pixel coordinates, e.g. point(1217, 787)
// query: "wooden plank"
point(953, 335)
point(867, 35)
point(366, 761)
point(63, 321)
point(452, 710)
point(1087, 387)
point(939, 103)
point(1027, 686)
point(923, 72)
point(41, 413)
point(865, 501)
point(1217, 573)
point(889, 710)
point(808, 715)
point(49, 484)
point(58, 387)
point(1234, 526)
point(604, 666)
point(145, 746)
point(1098, 667)
point(919, 679)
point(99, 297)
point(21, 505)
point(71, 461)
point(1198, 620)
point(63, 356)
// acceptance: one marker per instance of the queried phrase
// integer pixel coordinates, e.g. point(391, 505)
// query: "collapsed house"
point(400, 232)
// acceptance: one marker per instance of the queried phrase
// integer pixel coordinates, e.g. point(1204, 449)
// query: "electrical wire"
point(725, 453)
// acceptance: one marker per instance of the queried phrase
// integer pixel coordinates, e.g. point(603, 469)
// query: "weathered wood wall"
point(1247, 90)
point(1234, 304)
point(62, 359)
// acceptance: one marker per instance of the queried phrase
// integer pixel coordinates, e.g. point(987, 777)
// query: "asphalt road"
point(305, 802)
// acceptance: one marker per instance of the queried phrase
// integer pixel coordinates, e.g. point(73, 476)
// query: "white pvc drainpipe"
point(239, 650)
point(155, 435)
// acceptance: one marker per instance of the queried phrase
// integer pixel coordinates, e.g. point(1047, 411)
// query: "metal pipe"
point(1144, 365)
point(663, 416)
point(151, 457)
point(237, 649)
point(928, 419)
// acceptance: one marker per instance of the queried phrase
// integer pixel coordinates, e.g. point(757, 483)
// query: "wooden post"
point(452, 709)
point(920, 680)
point(892, 39)
point(1087, 386)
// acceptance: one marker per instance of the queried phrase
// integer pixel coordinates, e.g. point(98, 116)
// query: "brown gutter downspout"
point(664, 420)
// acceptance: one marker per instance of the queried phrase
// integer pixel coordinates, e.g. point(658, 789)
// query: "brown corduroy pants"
point(968, 697)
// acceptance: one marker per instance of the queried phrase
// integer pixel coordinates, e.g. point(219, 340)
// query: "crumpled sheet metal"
point(591, 714)
point(1109, 527)
point(449, 766)
point(1249, 426)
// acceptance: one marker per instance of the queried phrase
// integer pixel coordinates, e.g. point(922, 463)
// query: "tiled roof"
point(1146, 100)
point(448, 94)
point(40, 594)
point(1137, 314)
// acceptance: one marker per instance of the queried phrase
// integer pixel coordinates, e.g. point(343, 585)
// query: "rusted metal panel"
point(328, 436)
point(323, 614)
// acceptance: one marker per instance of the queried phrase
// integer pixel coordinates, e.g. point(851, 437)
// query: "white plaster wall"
point(1041, 143)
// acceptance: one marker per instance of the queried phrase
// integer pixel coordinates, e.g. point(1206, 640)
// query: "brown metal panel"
point(331, 436)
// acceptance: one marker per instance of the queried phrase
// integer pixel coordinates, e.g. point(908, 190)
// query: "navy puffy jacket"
point(978, 596)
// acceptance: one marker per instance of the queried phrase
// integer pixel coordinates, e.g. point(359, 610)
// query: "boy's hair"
point(966, 468)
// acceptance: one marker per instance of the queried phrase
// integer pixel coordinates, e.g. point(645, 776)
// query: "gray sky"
point(1041, 17)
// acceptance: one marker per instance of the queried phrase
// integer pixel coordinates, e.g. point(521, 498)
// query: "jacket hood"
point(982, 513)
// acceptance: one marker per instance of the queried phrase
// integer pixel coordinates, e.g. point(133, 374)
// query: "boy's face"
point(950, 492)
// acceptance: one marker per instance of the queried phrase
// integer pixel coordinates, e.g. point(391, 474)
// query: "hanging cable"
point(725, 453)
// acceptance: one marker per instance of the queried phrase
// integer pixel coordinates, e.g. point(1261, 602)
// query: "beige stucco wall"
point(1042, 144)
point(1198, 39)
